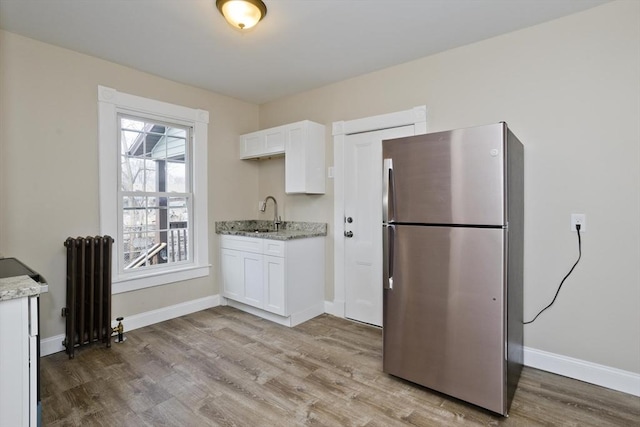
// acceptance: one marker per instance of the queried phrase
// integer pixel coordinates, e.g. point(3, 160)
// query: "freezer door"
point(453, 177)
point(444, 316)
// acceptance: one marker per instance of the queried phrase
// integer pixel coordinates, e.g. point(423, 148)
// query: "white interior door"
point(363, 222)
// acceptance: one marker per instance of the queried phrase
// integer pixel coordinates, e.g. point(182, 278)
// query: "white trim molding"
point(593, 373)
point(417, 117)
point(334, 308)
point(110, 104)
point(54, 344)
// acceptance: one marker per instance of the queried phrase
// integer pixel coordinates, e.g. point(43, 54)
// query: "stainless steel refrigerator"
point(453, 256)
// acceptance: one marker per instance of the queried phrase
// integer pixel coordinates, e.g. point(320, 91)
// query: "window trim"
point(110, 103)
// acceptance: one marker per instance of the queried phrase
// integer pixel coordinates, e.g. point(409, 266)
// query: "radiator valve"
point(119, 330)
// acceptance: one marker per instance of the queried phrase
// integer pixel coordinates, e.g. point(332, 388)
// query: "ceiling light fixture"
point(242, 14)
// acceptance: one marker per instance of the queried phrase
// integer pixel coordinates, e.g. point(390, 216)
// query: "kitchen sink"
point(262, 230)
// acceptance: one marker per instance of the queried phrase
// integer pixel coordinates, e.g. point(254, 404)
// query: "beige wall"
point(570, 90)
point(49, 161)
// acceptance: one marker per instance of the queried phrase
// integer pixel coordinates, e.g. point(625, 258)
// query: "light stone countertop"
point(19, 287)
point(288, 230)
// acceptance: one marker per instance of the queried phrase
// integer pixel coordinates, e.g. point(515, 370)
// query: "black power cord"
point(565, 277)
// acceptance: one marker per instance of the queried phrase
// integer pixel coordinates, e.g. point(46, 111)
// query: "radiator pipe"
point(119, 330)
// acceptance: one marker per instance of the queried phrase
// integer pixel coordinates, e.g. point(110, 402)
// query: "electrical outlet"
point(579, 219)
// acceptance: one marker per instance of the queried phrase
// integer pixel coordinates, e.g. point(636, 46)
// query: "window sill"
point(158, 278)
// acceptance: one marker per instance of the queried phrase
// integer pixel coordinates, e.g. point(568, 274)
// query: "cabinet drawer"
point(240, 243)
point(273, 248)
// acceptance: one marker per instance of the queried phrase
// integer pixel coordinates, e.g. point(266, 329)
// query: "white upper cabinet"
point(264, 143)
point(304, 158)
point(303, 145)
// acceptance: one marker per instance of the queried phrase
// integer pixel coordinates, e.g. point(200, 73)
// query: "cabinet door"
point(232, 274)
point(274, 141)
point(251, 145)
point(274, 285)
point(304, 158)
point(295, 159)
point(252, 273)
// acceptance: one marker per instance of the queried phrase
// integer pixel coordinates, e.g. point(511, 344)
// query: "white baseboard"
point(171, 312)
point(328, 307)
point(307, 314)
point(51, 345)
point(605, 376)
point(54, 344)
point(335, 308)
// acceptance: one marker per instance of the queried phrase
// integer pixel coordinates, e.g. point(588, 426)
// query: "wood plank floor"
point(223, 367)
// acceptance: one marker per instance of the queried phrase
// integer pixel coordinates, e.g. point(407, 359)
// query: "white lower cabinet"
point(18, 362)
point(282, 281)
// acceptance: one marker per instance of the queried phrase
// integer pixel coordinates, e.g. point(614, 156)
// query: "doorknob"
point(348, 234)
point(349, 219)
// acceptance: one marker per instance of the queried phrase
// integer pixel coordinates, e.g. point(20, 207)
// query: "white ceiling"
point(300, 45)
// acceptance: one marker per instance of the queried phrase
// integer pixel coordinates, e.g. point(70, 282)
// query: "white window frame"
point(110, 104)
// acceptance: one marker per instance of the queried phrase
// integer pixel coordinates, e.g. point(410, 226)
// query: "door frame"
point(416, 116)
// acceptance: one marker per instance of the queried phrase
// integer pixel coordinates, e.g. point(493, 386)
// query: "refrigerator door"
point(453, 177)
point(443, 323)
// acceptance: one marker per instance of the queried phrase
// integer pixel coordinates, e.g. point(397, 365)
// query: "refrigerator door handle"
point(388, 236)
point(387, 191)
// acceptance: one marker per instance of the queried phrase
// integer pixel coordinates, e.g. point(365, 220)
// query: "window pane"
point(133, 124)
point(142, 249)
point(128, 202)
point(151, 176)
point(176, 181)
point(178, 209)
point(177, 132)
point(150, 142)
point(177, 243)
point(139, 218)
point(134, 215)
point(153, 219)
point(132, 174)
point(128, 250)
point(129, 221)
point(129, 141)
point(175, 147)
point(143, 241)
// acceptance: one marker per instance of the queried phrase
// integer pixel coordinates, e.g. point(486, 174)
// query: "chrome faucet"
point(276, 219)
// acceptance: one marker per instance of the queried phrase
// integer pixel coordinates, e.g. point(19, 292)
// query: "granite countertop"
point(19, 287)
point(288, 230)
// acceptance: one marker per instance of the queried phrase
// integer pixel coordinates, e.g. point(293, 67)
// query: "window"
point(153, 189)
point(155, 193)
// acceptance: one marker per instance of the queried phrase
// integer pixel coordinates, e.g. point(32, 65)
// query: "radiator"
point(88, 310)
